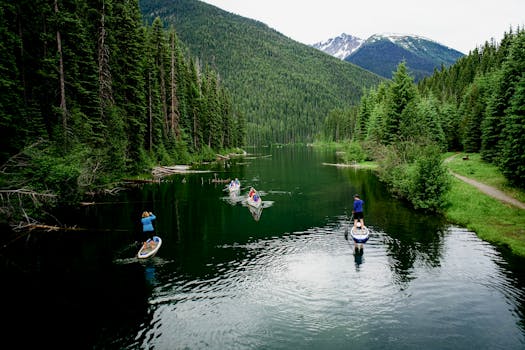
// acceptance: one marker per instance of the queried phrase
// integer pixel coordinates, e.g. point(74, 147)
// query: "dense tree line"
point(483, 95)
point(476, 105)
point(89, 93)
point(401, 129)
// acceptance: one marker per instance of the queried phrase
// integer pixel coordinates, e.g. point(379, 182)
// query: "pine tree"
point(366, 106)
point(472, 109)
point(512, 144)
point(127, 39)
point(10, 91)
point(502, 86)
point(174, 81)
point(451, 126)
point(195, 105)
point(402, 91)
point(160, 66)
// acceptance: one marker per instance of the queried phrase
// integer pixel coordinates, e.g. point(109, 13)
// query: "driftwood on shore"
point(48, 228)
point(162, 171)
point(341, 165)
point(230, 155)
point(141, 181)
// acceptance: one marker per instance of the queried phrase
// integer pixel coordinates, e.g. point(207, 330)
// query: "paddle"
point(351, 220)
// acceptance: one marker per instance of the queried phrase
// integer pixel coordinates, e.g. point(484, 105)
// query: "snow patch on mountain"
point(341, 46)
point(409, 42)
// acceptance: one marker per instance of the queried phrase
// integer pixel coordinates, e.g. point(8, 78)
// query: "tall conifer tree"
point(402, 91)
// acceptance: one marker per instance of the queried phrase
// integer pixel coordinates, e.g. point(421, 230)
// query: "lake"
point(284, 277)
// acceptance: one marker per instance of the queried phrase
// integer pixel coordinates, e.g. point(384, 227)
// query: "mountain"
point(284, 88)
point(341, 47)
point(381, 53)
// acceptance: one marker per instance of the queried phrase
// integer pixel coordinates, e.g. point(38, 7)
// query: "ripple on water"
point(307, 288)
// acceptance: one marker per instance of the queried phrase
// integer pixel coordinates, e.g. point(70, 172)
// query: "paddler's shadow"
point(358, 250)
point(358, 255)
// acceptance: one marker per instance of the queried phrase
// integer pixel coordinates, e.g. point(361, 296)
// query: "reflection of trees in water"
point(80, 292)
point(411, 235)
point(512, 267)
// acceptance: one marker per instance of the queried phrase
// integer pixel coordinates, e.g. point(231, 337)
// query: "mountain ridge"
point(381, 53)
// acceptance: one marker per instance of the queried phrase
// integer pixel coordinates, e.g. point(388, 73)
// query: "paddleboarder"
point(147, 228)
point(358, 212)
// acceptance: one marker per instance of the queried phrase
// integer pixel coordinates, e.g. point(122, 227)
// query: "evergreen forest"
point(284, 88)
point(90, 93)
point(475, 105)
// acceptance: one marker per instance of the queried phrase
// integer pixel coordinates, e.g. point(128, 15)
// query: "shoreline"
point(480, 212)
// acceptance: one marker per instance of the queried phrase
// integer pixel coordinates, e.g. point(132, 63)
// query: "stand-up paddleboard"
point(359, 234)
point(147, 251)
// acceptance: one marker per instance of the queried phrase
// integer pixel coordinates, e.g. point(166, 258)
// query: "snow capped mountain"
point(410, 42)
point(381, 53)
point(341, 47)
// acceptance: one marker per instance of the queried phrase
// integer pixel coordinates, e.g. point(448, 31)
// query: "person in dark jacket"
point(359, 218)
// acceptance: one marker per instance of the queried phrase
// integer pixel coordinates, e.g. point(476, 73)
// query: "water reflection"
point(256, 212)
point(149, 274)
point(358, 256)
point(290, 280)
point(358, 248)
point(233, 198)
point(71, 280)
point(290, 273)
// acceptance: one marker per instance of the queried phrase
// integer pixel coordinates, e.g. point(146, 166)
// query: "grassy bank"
point(478, 170)
point(493, 221)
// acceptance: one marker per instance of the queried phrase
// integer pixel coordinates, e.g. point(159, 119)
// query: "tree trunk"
point(104, 73)
point(63, 106)
point(174, 112)
point(163, 98)
point(150, 112)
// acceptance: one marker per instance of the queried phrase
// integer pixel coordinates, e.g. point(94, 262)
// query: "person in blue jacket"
point(147, 229)
point(358, 212)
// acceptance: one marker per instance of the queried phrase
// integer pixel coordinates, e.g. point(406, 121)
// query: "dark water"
point(282, 278)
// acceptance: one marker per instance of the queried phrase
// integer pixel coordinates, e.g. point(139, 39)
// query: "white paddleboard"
point(146, 252)
point(360, 235)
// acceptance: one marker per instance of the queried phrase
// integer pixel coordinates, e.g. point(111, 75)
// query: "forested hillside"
point(284, 88)
point(89, 94)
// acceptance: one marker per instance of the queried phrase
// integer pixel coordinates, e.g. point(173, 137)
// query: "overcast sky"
point(459, 24)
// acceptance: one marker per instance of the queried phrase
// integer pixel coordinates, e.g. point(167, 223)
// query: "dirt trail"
point(491, 191)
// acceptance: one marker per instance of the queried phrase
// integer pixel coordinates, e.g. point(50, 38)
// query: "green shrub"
point(415, 174)
point(353, 152)
point(429, 181)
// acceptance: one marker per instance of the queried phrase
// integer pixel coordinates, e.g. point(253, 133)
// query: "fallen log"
point(141, 181)
point(162, 171)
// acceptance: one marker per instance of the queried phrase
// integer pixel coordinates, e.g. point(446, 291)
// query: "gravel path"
point(491, 191)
